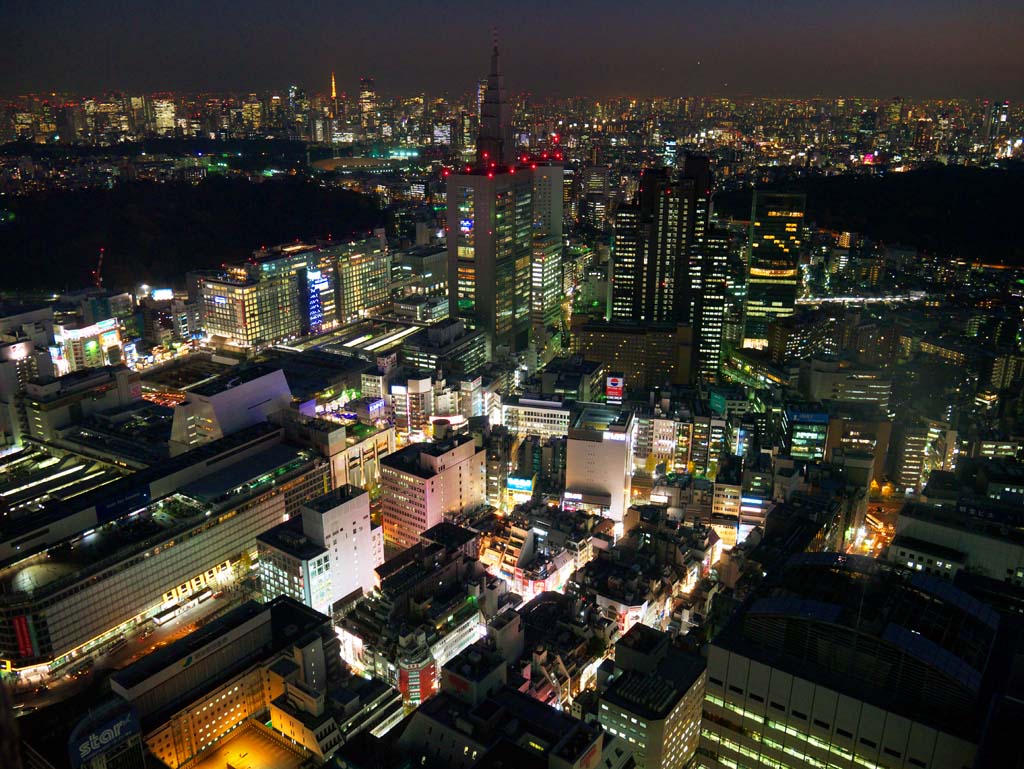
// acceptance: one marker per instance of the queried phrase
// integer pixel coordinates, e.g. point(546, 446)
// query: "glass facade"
point(773, 274)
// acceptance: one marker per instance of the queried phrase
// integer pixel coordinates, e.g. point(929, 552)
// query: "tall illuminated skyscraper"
point(367, 106)
point(711, 307)
point(658, 256)
point(491, 230)
point(773, 270)
point(164, 111)
point(490, 251)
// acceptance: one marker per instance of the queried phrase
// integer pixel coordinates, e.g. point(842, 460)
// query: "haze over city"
point(916, 48)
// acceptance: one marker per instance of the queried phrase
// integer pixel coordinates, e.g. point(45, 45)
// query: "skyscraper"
point(367, 106)
point(711, 308)
point(491, 221)
point(490, 250)
point(773, 254)
point(546, 268)
point(658, 258)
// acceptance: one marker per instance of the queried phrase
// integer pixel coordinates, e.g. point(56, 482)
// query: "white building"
point(327, 553)
point(340, 522)
point(425, 482)
point(599, 461)
point(227, 404)
point(533, 416)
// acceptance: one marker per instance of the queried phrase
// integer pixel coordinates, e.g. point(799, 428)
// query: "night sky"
point(600, 48)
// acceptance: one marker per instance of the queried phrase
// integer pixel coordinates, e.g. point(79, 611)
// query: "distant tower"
point(367, 105)
point(492, 220)
point(334, 98)
point(494, 143)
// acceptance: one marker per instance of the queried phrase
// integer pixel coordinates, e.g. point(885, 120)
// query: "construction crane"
point(97, 274)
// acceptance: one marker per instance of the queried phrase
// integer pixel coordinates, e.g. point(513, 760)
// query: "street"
point(57, 689)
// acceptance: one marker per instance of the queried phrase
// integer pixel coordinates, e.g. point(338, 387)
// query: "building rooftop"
point(474, 663)
point(449, 535)
point(642, 639)
point(290, 620)
point(510, 714)
point(125, 492)
point(310, 373)
point(182, 374)
point(985, 517)
point(407, 460)
point(647, 695)
point(596, 416)
point(335, 498)
point(288, 538)
point(269, 461)
point(937, 640)
point(233, 378)
point(920, 546)
point(75, 558)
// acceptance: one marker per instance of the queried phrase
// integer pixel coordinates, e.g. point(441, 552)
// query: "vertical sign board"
point(614, 386)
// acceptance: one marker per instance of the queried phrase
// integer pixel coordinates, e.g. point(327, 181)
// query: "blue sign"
point(466, 225)
point(126, 501)
point(82, 748)
point(520, 484)
point(807, 416)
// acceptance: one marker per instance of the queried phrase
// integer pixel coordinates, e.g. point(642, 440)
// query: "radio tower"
point(334, 98)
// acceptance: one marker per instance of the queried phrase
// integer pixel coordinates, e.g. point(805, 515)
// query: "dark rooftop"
point(333, 499)
point(267, 461)
point(234, 378)
point(449, 535)
point(288, 538)
point(936, 639)
point(290, 620)
point(921, 546)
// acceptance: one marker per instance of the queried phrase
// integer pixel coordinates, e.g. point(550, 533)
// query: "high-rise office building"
point(547, 198)
point(546, 279)
point(658, 257)
point(997, 119)
point(164, 112)
point(367, 106)
point(773, 271)
point(490, 231)
point(247, 310)
point(654, 700)
point(490, 252)
point(546, 268)
point(599, 461)
point(363, 278)
point(711, 307)
point(596, 192)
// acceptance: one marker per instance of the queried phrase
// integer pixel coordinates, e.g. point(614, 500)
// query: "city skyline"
point(347, 430)
point(600, 50)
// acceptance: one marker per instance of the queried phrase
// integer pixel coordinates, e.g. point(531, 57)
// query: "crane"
point(97, 274)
